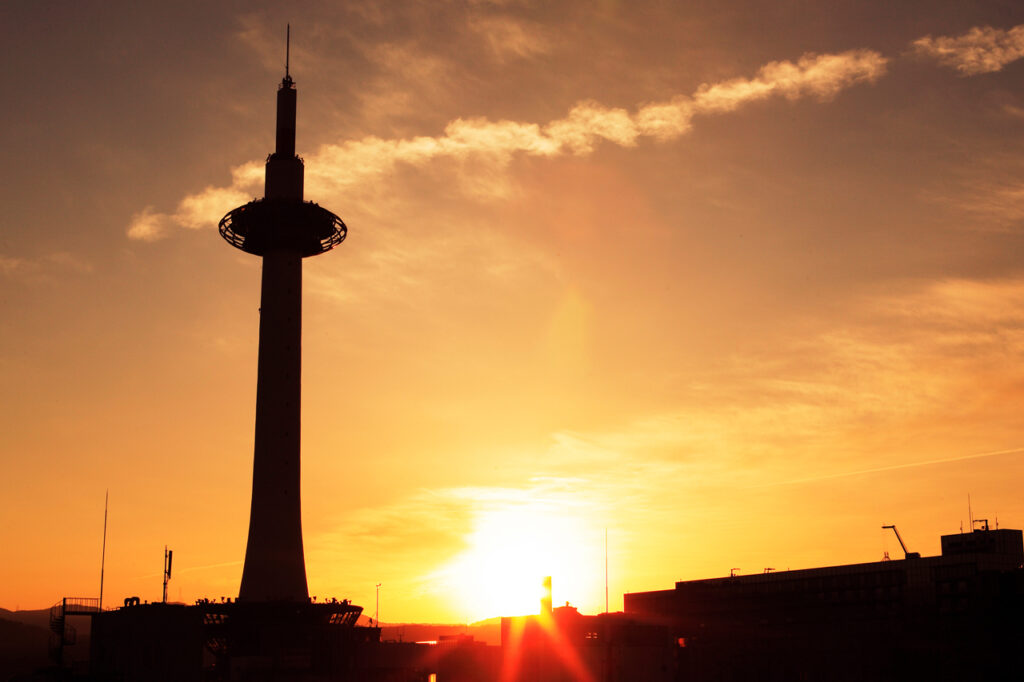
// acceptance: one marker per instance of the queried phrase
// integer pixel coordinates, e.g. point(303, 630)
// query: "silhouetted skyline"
point(739, 284)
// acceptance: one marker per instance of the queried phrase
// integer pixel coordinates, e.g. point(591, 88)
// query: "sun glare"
point(510, 552)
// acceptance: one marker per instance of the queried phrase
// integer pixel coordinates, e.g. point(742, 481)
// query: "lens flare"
point(511, 550)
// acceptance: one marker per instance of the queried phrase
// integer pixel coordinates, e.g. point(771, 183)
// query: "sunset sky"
point(740, 282)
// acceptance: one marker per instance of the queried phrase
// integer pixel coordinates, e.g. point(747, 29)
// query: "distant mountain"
point(38, 621)
point(38, 617)
point(23, 647)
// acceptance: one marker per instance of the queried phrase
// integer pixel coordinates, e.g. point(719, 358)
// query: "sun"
point(512, 549)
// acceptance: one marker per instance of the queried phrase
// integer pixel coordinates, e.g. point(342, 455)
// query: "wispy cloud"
point(827, 404)
point(407, 76)
point(346, 166)
point(191, 569)
point(819, 76)
point(995, 205)
point(983, 49)
point(9, 265)
point(42, 268)
point(148, 225)
point(894, 467)
point(202, 209)
point(508, 37)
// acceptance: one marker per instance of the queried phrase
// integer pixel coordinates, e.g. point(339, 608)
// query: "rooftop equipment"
point(906, 554)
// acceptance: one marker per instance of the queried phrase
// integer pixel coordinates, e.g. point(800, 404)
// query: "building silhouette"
point(564, 645)
point(956, 616)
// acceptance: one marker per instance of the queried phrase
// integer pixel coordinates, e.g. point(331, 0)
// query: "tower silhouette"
point(283, 229)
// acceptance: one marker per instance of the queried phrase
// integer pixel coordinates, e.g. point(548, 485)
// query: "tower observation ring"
point(265, 225)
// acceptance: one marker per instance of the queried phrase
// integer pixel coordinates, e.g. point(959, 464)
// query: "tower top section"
point(286, 105)
point(287, 53)
point(282, 221)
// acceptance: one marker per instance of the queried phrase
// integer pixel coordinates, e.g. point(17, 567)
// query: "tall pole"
point(376, 613)
point(103, 556)
point(606, 569)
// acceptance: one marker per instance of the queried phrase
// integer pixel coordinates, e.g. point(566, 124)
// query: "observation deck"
point(265, 225)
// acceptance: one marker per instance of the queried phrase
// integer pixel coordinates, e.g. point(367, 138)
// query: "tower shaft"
point(275, 566)
point(282, 229)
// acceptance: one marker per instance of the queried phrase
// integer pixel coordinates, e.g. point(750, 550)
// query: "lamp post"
point(376, 613)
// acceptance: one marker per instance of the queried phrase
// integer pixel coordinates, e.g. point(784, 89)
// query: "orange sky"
point(738, 284)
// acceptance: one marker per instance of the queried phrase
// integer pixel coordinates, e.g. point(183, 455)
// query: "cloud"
point(68, 261)
point(868, 393)
point(349, 166)
point(850, 399)
point(997, 205)
point(818, 76)
point(394, 264)
point(148, 225)
point(587, 124)
point(408, 76)
point(894, 467)
point(203, 209)
point(206, 208)
point(665, 120)
point(9, 265)
point(508, 37)
point(41, 268)
point(983, 49)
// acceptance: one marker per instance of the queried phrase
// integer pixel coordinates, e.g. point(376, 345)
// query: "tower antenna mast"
point(606, 569)
point(287, 49)
point(103, 557)
point(168, 557)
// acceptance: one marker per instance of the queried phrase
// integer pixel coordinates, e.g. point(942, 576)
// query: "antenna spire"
point(287, 49)
point(606, 569)
point(103, 557)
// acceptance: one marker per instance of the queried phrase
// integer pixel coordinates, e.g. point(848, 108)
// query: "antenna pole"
point(103, 556)
point(970, 514)
point(168, 557)
point(287, 49)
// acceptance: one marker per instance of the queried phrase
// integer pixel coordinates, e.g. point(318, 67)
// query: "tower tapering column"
point(283, 230)
point(275, 567)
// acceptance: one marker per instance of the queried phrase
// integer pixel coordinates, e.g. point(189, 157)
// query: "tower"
point(283, 229)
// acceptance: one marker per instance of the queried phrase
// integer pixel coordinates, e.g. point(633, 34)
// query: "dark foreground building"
point(563, 645)
point(280, 642)
point(957, 616)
